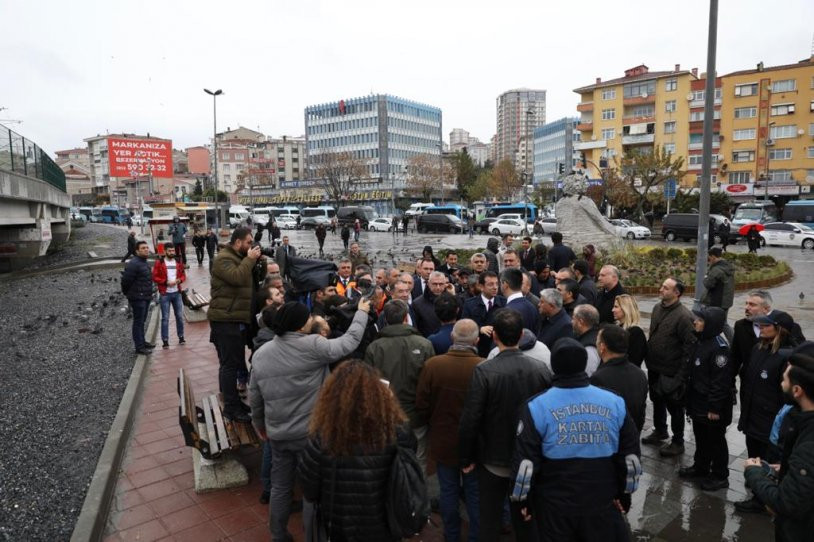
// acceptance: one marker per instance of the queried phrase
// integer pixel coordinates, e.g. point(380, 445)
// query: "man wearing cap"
point(287, 374)
point(576, 455)
point(788, 491)
point(499, 387)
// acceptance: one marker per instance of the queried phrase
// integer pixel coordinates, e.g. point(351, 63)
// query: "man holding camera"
point(230, 315)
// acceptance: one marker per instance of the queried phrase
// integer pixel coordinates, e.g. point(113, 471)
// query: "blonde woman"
point(626, 314)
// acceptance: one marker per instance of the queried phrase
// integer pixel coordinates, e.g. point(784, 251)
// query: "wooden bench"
point(205, 428)
point(194, 300)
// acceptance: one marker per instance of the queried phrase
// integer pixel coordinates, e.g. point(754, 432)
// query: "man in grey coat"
point(287, 374)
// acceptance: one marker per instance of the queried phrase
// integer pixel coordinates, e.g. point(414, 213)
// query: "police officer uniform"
point(709, 396)
point(577, 451)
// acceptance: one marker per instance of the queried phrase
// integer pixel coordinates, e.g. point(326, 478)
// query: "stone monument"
point(579, 220)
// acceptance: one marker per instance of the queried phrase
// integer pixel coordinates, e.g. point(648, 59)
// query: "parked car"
point(630, 229)
point(380, 224)
point(439, 223)
point(286, 222)
point(482, 226)
point(547, 225)
point(310, 223)
point(510, 215)
point(348, 215)
point(685, 226)
point(515, 226)
point(788, 234)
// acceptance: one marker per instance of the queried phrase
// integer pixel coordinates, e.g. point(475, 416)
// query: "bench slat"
point(223, 437)
point(210, 427)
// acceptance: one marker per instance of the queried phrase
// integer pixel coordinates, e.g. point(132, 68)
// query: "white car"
point(286, 222)
point(630, 229)
point(546, 225)
point(514, 226)
point(788, 234)
point(509, 215)
point(380, 224)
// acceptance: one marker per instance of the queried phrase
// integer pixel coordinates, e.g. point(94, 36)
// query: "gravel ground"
point(65, 359)
point(103, 240)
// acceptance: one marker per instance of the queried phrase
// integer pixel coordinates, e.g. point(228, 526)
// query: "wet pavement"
point(154, 496)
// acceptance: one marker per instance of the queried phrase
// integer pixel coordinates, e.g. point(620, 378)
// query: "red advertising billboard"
point(137, 157)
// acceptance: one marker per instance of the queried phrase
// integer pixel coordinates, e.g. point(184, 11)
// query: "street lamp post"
point(215, 95)
point(441, 171)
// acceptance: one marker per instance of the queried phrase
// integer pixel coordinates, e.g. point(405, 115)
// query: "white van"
point(287, 210)
point(323, 214)
point(237, 215)
point(261, 215)
point(417, 209)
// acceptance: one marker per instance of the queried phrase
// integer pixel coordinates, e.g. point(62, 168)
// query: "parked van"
point(438, 223)
point(757, 211)
point(237, 215)
point(529, 210)
point(348, 215)
point(287, 210)
point(685, 226)
point(417, 209)
point(323, 214)
point(261, 215)
point(450, 209)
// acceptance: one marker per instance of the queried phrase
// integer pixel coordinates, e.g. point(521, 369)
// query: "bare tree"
point(645, 170)
point(339, 174)
point(504, 181)
point(422, 175)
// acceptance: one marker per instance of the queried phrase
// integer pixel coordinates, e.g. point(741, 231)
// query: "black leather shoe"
point(149, 345)
point(264, 497)
point(691, 472)
point(714, 484)
point(655, 437)
point(237, 416)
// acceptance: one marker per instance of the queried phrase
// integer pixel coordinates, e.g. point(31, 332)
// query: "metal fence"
point(25, 157)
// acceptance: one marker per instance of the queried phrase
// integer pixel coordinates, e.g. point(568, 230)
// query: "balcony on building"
point(639, 100)
point(630, 119)
point(585, 126)
point(639, 134)
point(639, 139)
point(588, 145)
point(585, 106)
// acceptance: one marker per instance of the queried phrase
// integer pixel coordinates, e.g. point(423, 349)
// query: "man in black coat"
point(211, 246)
point(482, 309)
point(511, 286)
point(556, 323)
point(587, 287)
point(491, 254)
point(527, 254)
point(560, 255)
point(427, 321)
point(131, 246)
point(618, 375)
point(137, 285)
point(422, 277)
point(610, 287)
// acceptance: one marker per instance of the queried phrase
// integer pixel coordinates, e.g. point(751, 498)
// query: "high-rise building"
point(640, 111)
point(460, 139)
point(381, 130)
point(767, 129)
point(554, 146)
point(519, 112)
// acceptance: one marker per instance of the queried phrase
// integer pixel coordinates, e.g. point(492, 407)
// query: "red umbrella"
point(746, 227)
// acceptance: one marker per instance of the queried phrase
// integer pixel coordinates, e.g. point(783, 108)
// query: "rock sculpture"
point(578, 218)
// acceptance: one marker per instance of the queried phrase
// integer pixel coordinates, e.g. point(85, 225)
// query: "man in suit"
point(282, 253)
point(421, 277)
point(427, 321)
point(481, 309)
point(450, 263)
point(511, 260)
point(587, 287)
point(556, 322)
point(527, 254)
point(401, 291)
point(511, 285)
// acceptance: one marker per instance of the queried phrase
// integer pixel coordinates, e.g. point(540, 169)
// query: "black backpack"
point(407, 505)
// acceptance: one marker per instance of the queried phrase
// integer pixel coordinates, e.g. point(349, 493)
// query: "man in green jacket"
point(719, 285)
point(787, 490)
point(230, 315)
point(399, 354)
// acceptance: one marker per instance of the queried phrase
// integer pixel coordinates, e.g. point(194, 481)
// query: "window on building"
point(743, 156)
point(670, 106)
point(698, 159)
point(739, 177)
point(637, 90)
point(780, 175)
point(749, 89)
point(608, 93)
point(643, 111)
point(670, 85)
point(740, 135)
point(670, 148)
point(225, 156)
point(779, 154)
point(670, 127)
point(745, 112)
point(699, 115)
point(810, 152)
point(782, 132)
point(784, 85)
point(811, 129)
point(608, 114)
point(608, 133)
point(782, 109)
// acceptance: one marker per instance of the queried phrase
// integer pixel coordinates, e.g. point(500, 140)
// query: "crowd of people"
point(518, 375)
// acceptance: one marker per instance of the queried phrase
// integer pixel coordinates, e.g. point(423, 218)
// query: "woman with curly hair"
point(626, 314)
point(345, 467)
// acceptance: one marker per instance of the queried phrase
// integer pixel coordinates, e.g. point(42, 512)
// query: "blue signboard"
point(670, 189)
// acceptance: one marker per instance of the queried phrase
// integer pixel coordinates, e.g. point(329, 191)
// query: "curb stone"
point(90, 526)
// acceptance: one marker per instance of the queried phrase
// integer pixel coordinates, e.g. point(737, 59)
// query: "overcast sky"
point(73, 69)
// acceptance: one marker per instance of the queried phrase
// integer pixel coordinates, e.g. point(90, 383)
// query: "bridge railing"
point(25, 157)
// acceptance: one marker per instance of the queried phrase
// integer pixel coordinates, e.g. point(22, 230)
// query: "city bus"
point(761, 212)
point(449, 209)
point(801, 211)
point(114, 215)
point(529, 210)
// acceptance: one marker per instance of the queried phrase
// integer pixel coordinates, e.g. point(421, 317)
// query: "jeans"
point(140, 308)
point(284, 457)
point(265, 467)
point(711, 450)
point(229, 339)
point(199, 253)
point(174, 299)
point(661, 407)
point(450, 480)
point(356, 236)
point(211, 254)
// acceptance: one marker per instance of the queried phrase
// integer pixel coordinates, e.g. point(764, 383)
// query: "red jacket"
point(160, 275)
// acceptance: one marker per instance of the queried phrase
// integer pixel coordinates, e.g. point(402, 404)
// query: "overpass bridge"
point(34, 203)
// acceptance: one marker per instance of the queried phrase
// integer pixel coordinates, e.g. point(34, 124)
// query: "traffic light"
point(561, 168)
point(583, 160)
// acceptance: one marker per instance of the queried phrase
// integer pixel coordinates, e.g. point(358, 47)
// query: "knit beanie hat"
point(290, 317)
point(568, 357)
